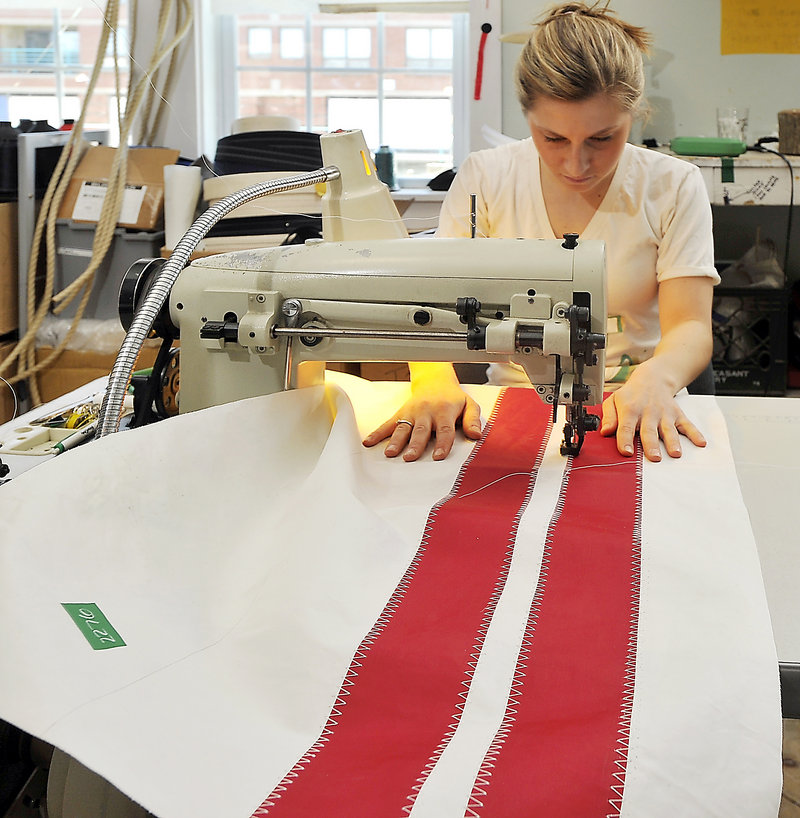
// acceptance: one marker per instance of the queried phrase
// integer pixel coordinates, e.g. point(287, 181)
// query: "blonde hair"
point(577, 51)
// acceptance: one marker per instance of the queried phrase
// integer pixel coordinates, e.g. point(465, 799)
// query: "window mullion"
point(309, 34)
point(58, 63)
point(380, 72)
point(461, 96)
point(226, 40)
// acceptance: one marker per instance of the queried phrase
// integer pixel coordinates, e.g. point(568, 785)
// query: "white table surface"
point(765, 439)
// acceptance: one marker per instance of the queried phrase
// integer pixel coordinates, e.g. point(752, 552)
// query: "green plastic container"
point(707, 146)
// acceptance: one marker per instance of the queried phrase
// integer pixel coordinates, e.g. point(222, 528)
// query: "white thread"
point(522, 474)
point(504, 477)
point(494, 599)
point(606, 465)
point(629, 686)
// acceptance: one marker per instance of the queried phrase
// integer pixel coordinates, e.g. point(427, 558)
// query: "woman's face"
point(580, 143)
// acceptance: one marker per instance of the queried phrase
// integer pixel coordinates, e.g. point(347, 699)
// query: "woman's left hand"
point(647, 406)
point(646, 402)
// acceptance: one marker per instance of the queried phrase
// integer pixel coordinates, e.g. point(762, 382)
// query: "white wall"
point(687, 78)
point(190, 106)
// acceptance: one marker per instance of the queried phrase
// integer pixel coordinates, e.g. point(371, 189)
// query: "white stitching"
point(380, 624)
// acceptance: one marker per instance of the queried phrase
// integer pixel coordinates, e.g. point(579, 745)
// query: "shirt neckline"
point(594, 227)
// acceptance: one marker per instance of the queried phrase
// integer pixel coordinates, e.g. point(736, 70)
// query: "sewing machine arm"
point(256, 322)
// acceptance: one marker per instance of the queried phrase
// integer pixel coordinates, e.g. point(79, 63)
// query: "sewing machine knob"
point(422, 317)
point(580, 392)
point(467, 309)
point(592, 422)
point(291, 309)
point(570, 241)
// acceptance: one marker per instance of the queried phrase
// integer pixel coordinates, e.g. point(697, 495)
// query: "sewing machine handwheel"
point(132, 291)
point(166, 399)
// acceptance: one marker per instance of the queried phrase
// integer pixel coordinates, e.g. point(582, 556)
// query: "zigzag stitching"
point(626, 707)
point(380, 625)
point(482, 779)
point(483, 627)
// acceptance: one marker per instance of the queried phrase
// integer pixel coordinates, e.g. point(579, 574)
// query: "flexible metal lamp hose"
point(157, 295)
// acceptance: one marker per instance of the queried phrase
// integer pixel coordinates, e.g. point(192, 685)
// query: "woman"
point(580, 81)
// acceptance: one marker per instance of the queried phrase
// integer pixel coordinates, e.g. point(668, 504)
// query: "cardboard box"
point(7, 401)
point(143, 202)
point(74, 368)
point(9, 264)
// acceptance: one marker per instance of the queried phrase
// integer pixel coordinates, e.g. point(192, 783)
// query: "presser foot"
point(579, 421)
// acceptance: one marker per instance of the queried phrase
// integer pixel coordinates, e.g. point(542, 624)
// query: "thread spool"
point(384, 164)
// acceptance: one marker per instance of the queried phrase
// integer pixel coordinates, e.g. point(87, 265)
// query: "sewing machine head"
point(253, 322)
point(259, 321)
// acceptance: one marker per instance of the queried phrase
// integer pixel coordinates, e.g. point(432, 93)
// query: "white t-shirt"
point(655, 220)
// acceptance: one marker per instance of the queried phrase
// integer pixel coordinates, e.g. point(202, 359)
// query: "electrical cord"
point(759, 146)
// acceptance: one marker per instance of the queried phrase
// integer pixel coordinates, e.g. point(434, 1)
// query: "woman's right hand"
point(436, 405)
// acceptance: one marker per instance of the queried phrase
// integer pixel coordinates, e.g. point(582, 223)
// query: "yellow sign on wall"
point(760, 27)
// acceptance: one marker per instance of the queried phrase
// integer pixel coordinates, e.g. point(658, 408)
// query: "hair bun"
point(599, 9)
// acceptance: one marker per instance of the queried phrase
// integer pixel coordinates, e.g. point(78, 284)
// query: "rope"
point(139, 91)
point(161, 32)
point(169, 80)
point(24, 351)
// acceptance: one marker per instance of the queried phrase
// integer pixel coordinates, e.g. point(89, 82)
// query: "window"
point(46, 58)
point(71, 47)
point(259, 42)
point(346, 47)
point(38, 49)
point(381, 72)
point(293, 46)
point(429, 47)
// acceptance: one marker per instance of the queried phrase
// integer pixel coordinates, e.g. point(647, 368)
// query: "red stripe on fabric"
point(562, 748)
point(403, 693)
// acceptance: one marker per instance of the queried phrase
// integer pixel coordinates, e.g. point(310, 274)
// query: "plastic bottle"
point(384, 164)
point(8, 131)
point(41, 126)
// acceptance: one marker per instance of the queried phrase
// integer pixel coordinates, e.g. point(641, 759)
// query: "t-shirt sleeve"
point(686, 248)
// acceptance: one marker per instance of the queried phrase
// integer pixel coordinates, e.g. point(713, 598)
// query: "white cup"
point(732, 123)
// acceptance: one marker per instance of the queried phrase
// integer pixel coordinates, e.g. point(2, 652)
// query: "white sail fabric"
point(243, 553)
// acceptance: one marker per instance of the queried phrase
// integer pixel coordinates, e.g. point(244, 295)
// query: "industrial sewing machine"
point(259, 321)
point(256, 322)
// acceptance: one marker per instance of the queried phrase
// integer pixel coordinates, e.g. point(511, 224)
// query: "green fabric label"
point(727, 170)
point(91, 621)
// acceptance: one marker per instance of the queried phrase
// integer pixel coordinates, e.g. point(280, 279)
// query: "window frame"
point(225, 27)
point(252, 52)
point(61, 63)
